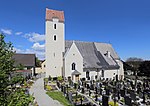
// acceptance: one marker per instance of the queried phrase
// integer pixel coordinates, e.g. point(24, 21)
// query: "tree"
point(10, 95)
point(6, 67)
point(133, 64)
point(19, 67)
point(38, 62)
point(145, 68)
point(131, 59)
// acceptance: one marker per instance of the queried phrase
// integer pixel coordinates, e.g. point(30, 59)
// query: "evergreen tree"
point(145, 68)
point(6, 68)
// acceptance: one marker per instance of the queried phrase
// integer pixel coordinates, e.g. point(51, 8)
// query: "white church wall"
point(54, 48)
point(110, 73)
point(92, 75)
point(121, 69)
point(73, 56)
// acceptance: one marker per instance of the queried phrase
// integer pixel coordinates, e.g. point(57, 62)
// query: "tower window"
point(54, 26)
point(55, 37)
point(73, 66)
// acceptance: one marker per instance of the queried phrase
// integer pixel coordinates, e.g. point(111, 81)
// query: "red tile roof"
point(50, 14)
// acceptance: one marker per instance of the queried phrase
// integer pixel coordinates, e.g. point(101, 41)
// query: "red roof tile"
point(50, 14)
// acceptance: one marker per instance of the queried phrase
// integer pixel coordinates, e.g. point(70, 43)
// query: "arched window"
point(54, 26)
point(54, 37)
point(73, 66)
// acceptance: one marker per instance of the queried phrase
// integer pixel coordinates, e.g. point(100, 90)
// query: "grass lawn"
point(57, 95)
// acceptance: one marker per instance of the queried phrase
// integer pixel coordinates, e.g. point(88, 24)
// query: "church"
point(77, 59)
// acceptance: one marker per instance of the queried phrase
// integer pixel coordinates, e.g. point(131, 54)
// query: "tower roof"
point(50, 14)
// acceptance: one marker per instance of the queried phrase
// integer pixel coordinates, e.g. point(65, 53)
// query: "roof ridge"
point(87, 41)
point(54, 10)
point(25, 53)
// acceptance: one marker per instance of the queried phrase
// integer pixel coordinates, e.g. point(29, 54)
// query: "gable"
point(72, 50)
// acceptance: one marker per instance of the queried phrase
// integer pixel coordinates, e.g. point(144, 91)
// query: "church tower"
point(55, 42)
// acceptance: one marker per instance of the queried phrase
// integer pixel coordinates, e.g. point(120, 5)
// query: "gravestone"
point(97, 84)
point(71, 83)
point(100, 91)
point(118, 95)
point(122, 92)
point(96, 90)
point(83, 79)
point(75, 86)
point(78, 86)
point(91, 82)
point(79, 82)
point(96, 98)
point(87, 86)
point(81, 100)
point(138, 90)
point(82, 83)
point(107, 91)
point(127, 100)
point(67, 90)
point(144, 98)
point(92, 87)
point(116, 77)
point(132, 85)
point(62, 88)
point(141, 94)
point(133, 96)
point(82, 90)
point(105, 100)
point(89, 93)
point(100, 85)
point(58, 84)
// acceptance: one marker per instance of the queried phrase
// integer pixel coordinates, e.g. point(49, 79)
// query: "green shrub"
point(59, 78)
point(19, 98)
point(112, 104)
point(46, 80)
point(48, 88)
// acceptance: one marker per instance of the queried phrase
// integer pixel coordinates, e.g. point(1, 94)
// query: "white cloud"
point(6, 31)
point(38, 47)
point(18, 33)
point(18, 50)
point(39, 54)
point(34, 37)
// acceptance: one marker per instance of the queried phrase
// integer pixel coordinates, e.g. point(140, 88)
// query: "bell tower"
point(54, 44)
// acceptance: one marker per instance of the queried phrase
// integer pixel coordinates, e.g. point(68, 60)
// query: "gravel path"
point(40, 94)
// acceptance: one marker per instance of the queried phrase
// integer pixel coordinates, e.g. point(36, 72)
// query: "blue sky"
point(123, 23)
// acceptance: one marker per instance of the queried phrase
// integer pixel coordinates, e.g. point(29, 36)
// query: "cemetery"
point(102, 92)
